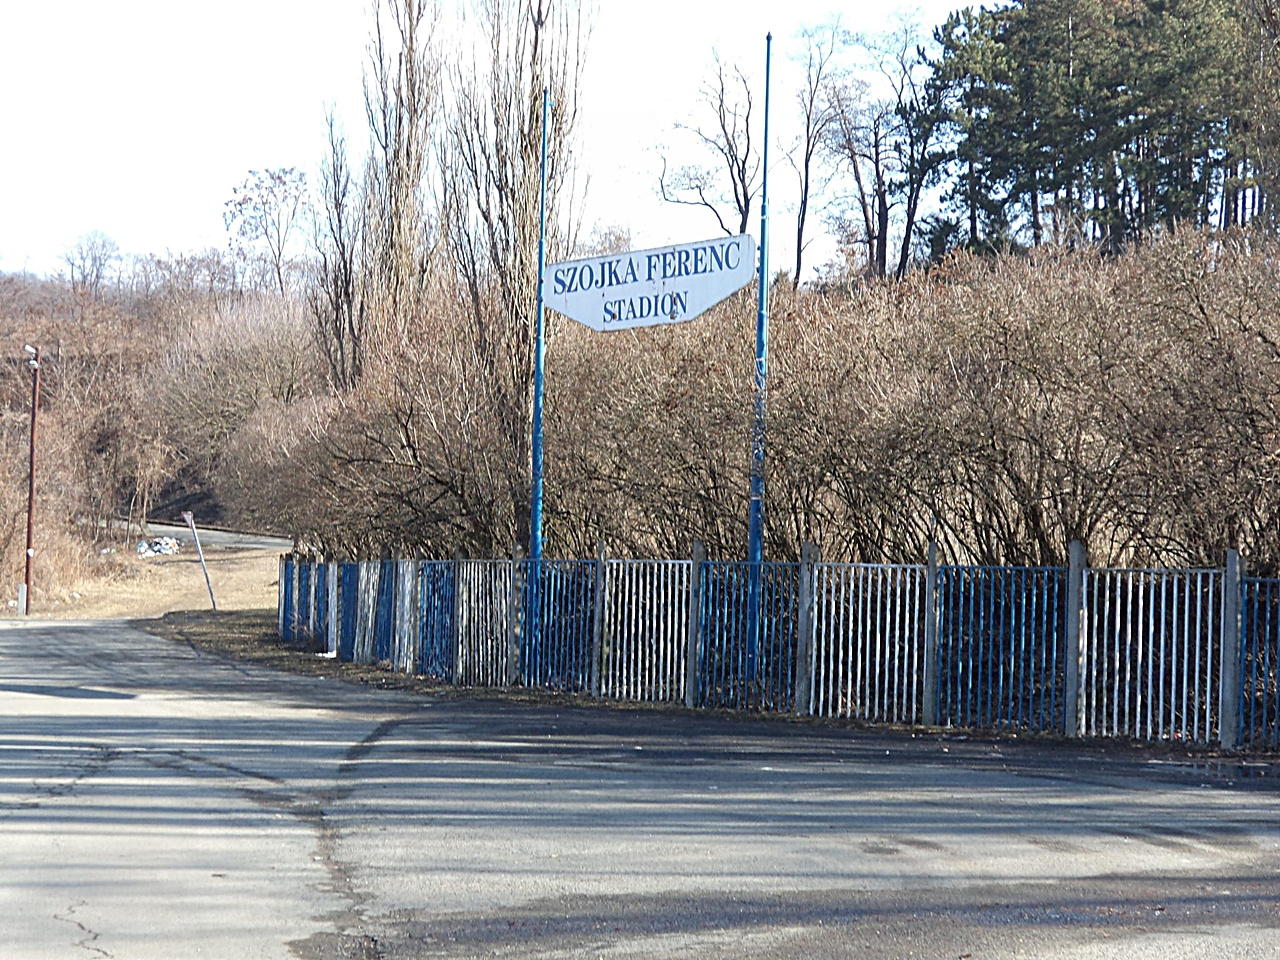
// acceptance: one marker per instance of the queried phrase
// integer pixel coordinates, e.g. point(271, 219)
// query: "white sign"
point(647, 287)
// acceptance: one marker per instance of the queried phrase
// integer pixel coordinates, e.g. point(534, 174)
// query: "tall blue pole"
point(539, 351)
point(532, 643)
point(755, 525)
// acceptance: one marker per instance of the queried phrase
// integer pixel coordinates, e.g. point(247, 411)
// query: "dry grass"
point(124, 585)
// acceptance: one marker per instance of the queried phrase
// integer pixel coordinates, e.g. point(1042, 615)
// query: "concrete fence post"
point(1229, 693)
point(597, 618)
point(358, 643)
point(693, 645)
point(930, 687)
point(332, 574)
point(1073, 700)
point(515, 603)
point(406, 619)
point(367, 625)
point(806, 627)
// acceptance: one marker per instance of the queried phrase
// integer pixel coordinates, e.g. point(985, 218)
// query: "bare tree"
point(817, 115)
point(337, 311)
point(888, 144)
point(264, 210)
point(492, 163)
point(858, 137)
point(917, 113)
point(728, 98)
point(1264, 17)
point(401, 93)
point(89, 262)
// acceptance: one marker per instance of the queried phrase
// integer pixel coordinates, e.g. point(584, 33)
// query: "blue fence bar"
point(1260, 664)
point(559, 612)
point(384, 617)
point(436, 603)
point(1152, 642)
point(726, 677)
point(289, 601)
point(348, 585)
point(645, 626)
point(869, 641)
point(302, 603)
point(1001, 633)
point(483, 622)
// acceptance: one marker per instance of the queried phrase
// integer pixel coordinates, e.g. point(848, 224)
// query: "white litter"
point(159, 547)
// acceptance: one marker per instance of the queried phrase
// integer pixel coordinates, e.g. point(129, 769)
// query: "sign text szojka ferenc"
point(647, 287)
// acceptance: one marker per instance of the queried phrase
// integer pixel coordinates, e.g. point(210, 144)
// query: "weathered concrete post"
point(1073, 714)
point(803, 704)
point(1229, 677)
point(693, 648)
point(407, 629)
point(597, 619)
point(932, 661)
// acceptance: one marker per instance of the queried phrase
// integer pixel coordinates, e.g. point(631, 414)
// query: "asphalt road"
point(156, 801)
point(211, 539)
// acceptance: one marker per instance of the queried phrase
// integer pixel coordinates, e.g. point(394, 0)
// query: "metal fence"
point(483, 631)
point(736, 670)
point(559, 612)
point(1001, 655)
point(868, 650)
point(437, 608)
point(1260, 665)
point(1177, 655)
point(644, 630)
point(1152, 649)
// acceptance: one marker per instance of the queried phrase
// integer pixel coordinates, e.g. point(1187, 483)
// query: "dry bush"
point(85, 341)
point(214, 379)
point(1003, 406)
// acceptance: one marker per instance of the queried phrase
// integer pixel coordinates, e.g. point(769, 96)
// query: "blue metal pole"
point(539, 352)
point(755, 526)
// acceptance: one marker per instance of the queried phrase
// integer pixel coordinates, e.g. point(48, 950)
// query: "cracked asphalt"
point(160, 801)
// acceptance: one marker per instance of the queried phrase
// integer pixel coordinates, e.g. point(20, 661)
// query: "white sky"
point(136, 118)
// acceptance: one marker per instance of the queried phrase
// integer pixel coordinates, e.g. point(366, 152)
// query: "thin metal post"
point(755, 524)
point(34, 363)
point(514, 602)
point(929, 709)
point(539, 350)
point(280, 595)
point(597, 618)
point(295, 581)
point(1073, 696)
point(1229, 694)
point(693, 648)
point(809, 557)
point(314, 562)
point(455, 620)
point(191, 525)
